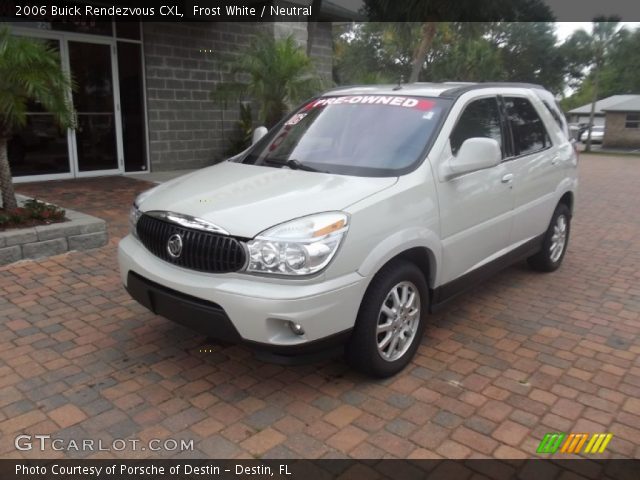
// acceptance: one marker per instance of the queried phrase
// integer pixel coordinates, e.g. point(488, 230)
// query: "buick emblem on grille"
point(174, 245)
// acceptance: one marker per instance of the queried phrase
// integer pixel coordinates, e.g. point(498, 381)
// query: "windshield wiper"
point(293, 164)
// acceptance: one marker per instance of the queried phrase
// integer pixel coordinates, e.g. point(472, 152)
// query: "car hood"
point(244, 199)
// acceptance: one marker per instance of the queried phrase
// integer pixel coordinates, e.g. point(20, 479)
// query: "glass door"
point(97, 135)
point(39, 148)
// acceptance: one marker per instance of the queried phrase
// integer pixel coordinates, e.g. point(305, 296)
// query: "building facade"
point(622, 130)
point(581, 115)
point(142, 95)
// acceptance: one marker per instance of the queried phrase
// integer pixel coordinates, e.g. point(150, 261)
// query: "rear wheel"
point(555, 242)
point(390, 322)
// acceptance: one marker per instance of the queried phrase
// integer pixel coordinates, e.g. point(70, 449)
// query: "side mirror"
point(258, 133)
point(475, 154)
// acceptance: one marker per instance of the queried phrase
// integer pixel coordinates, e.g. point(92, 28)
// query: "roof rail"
point(358, 85)
point(457, 91)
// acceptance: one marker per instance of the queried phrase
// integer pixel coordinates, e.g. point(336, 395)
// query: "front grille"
point(202, 251)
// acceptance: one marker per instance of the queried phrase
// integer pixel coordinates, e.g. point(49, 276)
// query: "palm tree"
point(603, 34)
point(29, 71)
point(280, 74)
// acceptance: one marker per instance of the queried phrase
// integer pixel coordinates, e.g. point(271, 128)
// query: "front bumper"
point(200, 315)
point(244, 308)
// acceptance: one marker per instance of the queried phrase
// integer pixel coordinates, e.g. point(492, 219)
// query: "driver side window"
point(481, 118)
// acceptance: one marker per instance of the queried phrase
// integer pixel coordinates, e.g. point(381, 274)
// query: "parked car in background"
point(357, 215)
point(597, 134)
point(575, 130)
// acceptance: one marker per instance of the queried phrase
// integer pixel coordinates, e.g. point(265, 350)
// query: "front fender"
point(399, 242)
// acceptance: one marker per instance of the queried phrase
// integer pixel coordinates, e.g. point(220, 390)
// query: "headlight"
point(135, 213)
point(134, 216)
point(300, 247)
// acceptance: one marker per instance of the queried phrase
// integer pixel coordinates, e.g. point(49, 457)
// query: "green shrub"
point(43, 211)
point(32, 210)
point(18, 215)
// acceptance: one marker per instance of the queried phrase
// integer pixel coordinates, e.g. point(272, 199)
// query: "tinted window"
point(365, 135)
point(479, 119)
point(529, 133)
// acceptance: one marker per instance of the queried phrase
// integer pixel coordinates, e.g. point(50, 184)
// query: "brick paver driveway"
point(522, 355)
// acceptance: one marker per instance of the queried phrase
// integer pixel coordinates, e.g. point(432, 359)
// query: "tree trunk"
point(6, 183)
point(594, 99)
point(428, 32)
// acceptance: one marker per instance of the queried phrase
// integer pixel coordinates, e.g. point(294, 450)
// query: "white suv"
point(356, 216)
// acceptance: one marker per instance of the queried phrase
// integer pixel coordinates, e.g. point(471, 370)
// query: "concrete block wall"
point(322, 51)
point(183, 63)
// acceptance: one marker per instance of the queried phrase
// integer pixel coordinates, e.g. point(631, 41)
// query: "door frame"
point(64, 38)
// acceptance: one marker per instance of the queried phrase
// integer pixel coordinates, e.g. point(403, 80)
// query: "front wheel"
point(555, 242)
point(390, 322)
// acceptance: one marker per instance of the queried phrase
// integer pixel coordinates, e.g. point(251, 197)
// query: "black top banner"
point(320, 10)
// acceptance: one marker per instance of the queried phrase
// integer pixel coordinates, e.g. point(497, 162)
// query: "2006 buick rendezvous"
point(356, 216)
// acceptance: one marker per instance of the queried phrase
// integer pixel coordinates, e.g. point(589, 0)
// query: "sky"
point(565, 29)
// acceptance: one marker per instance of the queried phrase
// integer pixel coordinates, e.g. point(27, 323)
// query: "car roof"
point(425, 89)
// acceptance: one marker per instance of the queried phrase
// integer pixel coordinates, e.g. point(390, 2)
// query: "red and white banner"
point(406, 102)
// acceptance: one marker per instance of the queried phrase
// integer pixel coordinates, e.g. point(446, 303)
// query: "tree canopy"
point(376, 52)
point(618, 73)
point(490, 51)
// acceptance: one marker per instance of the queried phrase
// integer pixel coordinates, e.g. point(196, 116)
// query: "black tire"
point(544, 260)
point(362, 349)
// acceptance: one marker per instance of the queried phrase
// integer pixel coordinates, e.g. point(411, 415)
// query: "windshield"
point(364, 135)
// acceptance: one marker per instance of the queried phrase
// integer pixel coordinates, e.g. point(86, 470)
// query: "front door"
point(475, 208)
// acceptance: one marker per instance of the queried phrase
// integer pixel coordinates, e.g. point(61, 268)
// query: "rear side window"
point(529, 132)
point(481, 118)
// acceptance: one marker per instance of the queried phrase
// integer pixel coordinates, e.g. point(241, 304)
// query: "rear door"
point(535, 162)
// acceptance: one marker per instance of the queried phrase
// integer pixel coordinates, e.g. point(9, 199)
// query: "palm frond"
point(30, 71)
point(276, 73)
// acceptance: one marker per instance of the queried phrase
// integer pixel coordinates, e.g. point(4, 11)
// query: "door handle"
point(555, 160)
point(508, 178)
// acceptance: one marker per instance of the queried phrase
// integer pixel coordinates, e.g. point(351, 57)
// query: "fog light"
point(296, 328)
